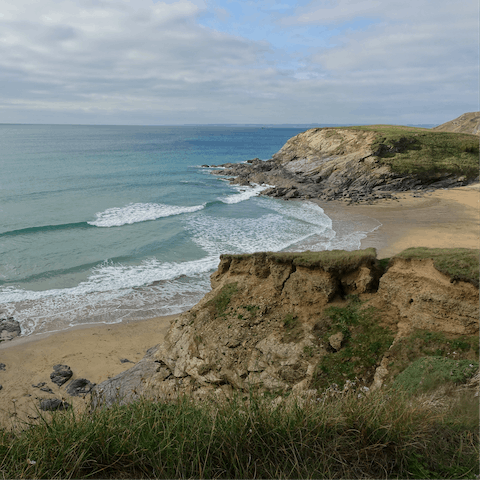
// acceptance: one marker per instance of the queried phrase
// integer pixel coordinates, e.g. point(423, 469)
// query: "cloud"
point(115, 54)
point(338, 61)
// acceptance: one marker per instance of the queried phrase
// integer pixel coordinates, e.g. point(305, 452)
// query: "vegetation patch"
point(421, 151)
point(293, 330)
point(382, 435)
point(427, 373)
point(457, 263)
point(222, 299)
point(364, 343)
point(424, 343)
point(329, 260)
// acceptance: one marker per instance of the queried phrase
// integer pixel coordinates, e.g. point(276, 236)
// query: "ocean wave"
point(113, 292)
point(269, 232)
point(308, 212)
point(245, 192)
point(139, 212)
point(45, 228)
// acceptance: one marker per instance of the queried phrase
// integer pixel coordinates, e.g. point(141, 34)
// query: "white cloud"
point(125, 61)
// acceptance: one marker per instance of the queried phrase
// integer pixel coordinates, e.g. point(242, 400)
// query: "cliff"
point(466, 123)
point(300, 322)
point(362, 163)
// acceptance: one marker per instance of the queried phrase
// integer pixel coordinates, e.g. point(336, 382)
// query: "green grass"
point(364, 344)
point(329, 260)
point(458, 263)
point(384, 435)
point(222, 299)
point(427, 373)
point(425, 152)
point(424, 343)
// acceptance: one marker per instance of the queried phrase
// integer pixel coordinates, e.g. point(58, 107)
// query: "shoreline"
point(92, 351)
point(440, 219)
point(448, 218)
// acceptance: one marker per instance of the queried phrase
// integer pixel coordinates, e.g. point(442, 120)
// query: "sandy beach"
point(440, 219)
point(444, 218)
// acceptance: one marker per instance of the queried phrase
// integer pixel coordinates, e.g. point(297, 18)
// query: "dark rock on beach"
point(53, 404)
point(3, 366)
point(79, 386)
point(129, 385)
point(61, 374)
point(9, 328)
point(125, 360)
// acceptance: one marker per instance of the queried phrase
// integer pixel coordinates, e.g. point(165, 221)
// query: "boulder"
point(79, 386)
point(53, 404)
point(336, 341)
point(9, 328)
point(61, 374)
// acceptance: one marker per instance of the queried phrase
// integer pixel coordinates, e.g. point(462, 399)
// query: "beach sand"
point(444, 218)
point(92, 352)
point(440, 219)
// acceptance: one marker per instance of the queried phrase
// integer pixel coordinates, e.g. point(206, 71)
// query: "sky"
point(176, 62)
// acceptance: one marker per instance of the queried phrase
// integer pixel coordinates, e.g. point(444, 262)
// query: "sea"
point(114, 223)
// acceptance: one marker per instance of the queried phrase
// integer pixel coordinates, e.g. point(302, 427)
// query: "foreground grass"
point(423, 151)
point(380, 436)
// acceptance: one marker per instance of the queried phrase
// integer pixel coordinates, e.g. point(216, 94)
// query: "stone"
point(125, 360)
point(9, 328)
point(336, 341)
point(3, 366)
point(61, 374)
point(79, 386)
point(53, 404)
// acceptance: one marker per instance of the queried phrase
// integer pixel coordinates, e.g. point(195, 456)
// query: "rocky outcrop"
point(259, 326)
point(466, 123)
point(9, 328)
point(333, 164)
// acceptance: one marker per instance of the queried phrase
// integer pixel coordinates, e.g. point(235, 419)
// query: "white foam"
point(139, 212)
point(245, 192)
point(111, 287)
point(305, 211)
point(269, 232)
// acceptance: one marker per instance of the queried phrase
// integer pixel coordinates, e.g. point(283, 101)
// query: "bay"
point(107, 223)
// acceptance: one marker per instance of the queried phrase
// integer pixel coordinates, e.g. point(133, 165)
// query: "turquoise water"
point(104, 223)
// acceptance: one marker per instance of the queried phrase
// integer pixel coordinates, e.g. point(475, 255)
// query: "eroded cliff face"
point(334, 163)
point(259, 325)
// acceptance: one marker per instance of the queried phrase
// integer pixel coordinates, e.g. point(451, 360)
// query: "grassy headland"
point(411, 150)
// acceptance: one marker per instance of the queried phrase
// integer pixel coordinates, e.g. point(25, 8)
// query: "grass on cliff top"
point(340, 260)
point(422, 151)
point(458, 263)
point(382, 435)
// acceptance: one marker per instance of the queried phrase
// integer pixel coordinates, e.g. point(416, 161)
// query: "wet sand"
point(441, 219)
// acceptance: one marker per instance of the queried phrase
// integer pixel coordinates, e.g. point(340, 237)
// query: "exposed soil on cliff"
point(293, 322)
